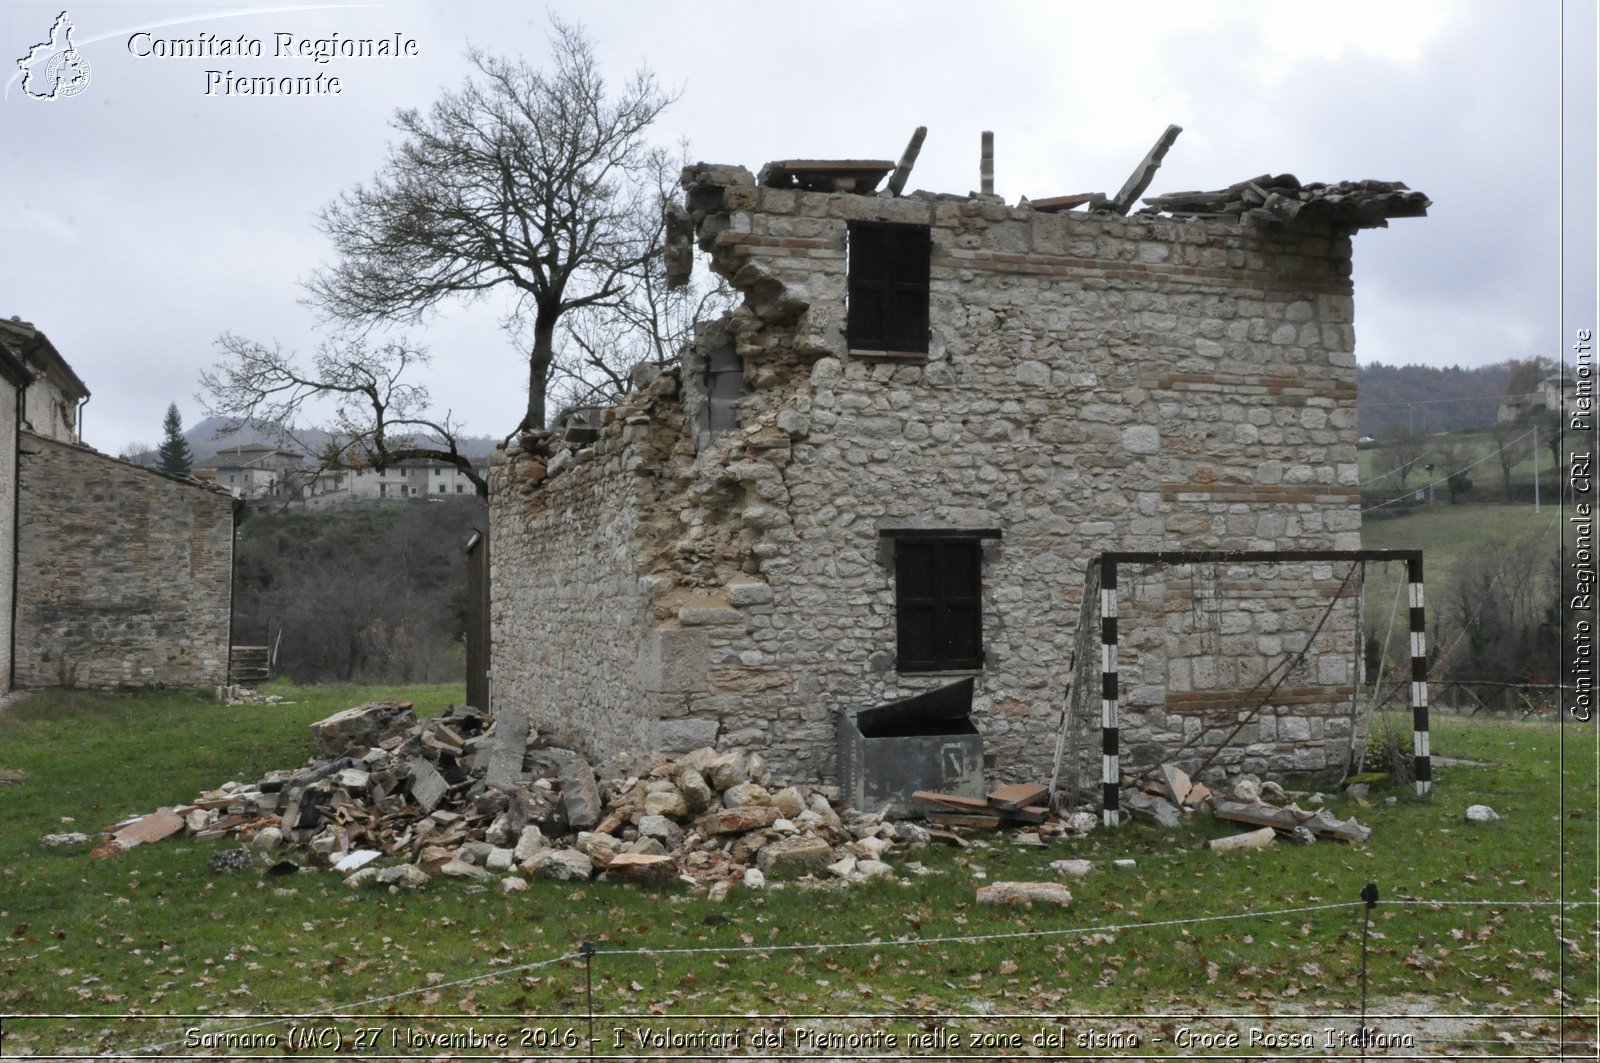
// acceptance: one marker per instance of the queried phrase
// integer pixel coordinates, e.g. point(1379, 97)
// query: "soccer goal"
point(1211, 618)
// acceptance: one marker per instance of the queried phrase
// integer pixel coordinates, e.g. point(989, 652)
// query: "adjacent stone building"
point(891, 466)
point(113, 574)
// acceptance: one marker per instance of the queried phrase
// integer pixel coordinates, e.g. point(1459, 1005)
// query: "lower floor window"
point(938, 603)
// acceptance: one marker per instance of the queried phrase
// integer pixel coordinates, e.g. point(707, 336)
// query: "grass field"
point(1185, 941)
point(1475, 447)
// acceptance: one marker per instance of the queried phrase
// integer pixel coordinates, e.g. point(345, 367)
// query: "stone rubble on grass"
point(1168, 795)
point(58, 840)
point(1072, 867)
point(1481, 814)
point(465, 796)
point(1024, 893)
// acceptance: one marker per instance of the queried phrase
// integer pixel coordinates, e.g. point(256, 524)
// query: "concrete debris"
point(1481, 814)
point(1256, 839)
point(1168, 794)
point(56, 841)
point(1321, 824)
point(1025, 893)
point(1159, 809)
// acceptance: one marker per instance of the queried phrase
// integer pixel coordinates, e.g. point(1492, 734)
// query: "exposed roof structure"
point(1269, 200)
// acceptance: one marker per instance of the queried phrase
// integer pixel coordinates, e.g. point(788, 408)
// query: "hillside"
point(209, 437)
point(1426, 398)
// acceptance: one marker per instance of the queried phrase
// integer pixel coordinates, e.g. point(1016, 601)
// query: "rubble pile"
point(466, 795)
point(1167, 796)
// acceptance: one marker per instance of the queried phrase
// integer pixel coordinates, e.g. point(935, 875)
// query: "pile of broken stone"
point(1167, 795)
point(391, 801)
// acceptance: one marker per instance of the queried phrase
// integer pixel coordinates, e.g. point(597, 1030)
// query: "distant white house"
point(1553, 389)
point(257, 470)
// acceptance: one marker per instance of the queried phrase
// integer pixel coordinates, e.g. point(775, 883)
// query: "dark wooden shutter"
point(938, 604)
point(888, 286)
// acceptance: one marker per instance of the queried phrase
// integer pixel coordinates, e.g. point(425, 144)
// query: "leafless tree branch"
point(380, 417)
point(522, 178)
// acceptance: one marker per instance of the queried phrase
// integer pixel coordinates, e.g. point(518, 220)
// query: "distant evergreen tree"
point(174, 453)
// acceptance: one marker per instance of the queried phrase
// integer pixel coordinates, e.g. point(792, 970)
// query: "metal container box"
point(927, 742)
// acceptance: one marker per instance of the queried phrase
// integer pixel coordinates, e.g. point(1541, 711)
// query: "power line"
point(1480, 461)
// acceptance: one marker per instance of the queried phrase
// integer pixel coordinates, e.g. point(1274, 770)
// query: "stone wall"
point(1092, 383)
point(8, 522)
point(124, 574)
point(565, 592)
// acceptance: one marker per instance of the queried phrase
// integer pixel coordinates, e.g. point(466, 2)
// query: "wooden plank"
point(963, 819)
point(1054, 204)
point(955, 801)
point(1145, 172)
point(1018, 795)
point(908, 159)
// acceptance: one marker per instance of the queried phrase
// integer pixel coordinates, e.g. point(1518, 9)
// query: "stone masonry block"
point(673, 660)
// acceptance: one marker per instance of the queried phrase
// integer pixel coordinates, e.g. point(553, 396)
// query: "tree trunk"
point(539, 359)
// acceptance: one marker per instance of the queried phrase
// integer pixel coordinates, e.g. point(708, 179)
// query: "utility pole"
point(1536, 467)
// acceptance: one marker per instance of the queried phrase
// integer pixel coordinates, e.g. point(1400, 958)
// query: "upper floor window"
point(888, 287)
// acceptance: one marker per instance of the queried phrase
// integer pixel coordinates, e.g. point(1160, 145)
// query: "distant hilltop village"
point(261, 472)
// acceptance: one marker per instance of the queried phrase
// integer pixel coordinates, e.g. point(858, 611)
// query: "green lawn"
point(1475, 447)
point(152, 932)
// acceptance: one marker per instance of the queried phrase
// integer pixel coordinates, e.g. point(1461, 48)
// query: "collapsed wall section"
point(125, 575)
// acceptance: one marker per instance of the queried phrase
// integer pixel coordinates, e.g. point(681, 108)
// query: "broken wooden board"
point(908, 159)
point(1145, 172)
point(1056, 204)
point(1018, 796)
point(955, 801)
point(964, 819)
point(159, 824)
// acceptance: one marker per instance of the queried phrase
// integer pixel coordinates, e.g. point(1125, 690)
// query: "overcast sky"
point(144, 218)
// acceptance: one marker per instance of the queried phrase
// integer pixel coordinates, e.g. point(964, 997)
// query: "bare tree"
point(379, 418)
point(652, 324)
point(528, 179)
point(1400, 454)
point(1513, 442)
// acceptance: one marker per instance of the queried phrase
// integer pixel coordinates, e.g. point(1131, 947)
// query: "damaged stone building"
point(112, 574)
point(892, 465)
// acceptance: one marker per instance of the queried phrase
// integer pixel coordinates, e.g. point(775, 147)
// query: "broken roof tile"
point(1268, 200)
